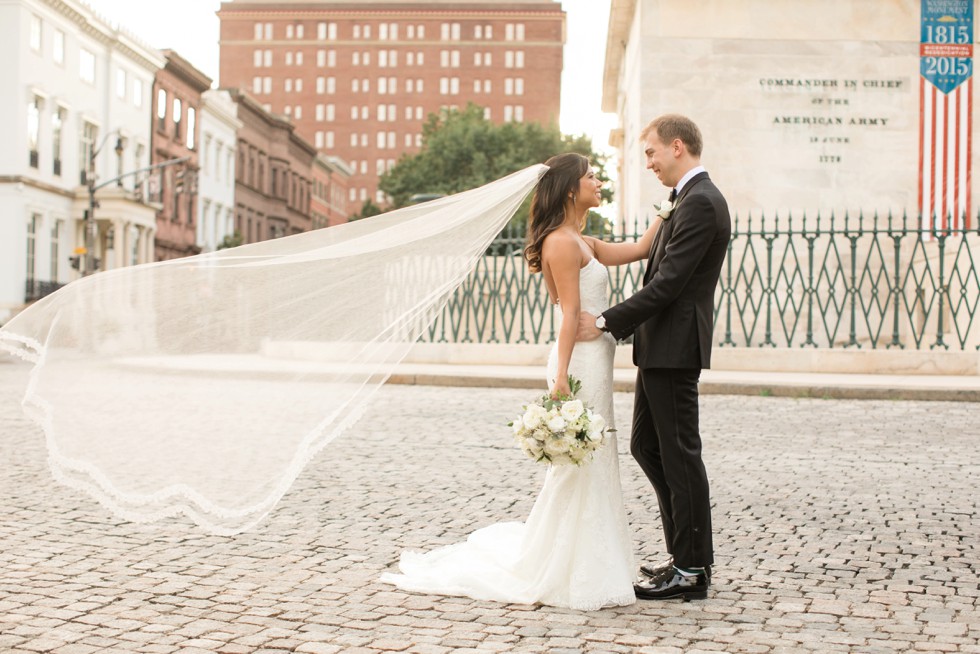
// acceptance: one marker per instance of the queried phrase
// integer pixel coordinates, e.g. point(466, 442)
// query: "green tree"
point(367, 209)
point(462, 150)
point(230, 241)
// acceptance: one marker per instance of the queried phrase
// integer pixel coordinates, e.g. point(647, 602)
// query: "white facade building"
point(216, 177)
point(73, 85)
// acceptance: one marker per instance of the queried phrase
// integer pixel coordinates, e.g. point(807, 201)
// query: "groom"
point(671, 319)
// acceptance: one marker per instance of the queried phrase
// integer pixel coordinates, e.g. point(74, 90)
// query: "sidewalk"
point(958, 388)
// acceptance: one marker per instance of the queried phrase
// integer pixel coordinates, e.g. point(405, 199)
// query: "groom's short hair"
point(675, 126)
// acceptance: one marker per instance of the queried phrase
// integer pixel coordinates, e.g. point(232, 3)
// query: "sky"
point(191, 28)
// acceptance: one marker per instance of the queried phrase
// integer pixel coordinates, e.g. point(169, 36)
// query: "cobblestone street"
point(841, 525)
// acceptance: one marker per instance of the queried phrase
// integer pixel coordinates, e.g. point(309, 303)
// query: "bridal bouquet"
point(561, 432)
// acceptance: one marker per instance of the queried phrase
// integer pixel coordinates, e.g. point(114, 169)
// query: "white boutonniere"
point(664, 209)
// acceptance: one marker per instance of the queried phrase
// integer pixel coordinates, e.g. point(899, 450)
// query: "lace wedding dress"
point(575, 549)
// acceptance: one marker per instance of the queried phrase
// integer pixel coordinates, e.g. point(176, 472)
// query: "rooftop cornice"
point(96, 26)
point(185, 69)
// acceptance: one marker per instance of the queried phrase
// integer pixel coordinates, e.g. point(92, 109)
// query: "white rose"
point(534, 416)
point(664, 209)
point(557, 424)
point(572, 409)
point(598, 423)
point(555, 446)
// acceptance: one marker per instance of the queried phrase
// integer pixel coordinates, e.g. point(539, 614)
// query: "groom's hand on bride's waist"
point(587, 331)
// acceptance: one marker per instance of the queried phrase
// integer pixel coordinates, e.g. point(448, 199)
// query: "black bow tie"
point(673, 195)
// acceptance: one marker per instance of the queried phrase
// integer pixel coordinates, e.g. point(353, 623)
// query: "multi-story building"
point(216, 179)
point(328, 203)
point(177, 93)
point(273, 175)
point(359, 78)
point(75, 113)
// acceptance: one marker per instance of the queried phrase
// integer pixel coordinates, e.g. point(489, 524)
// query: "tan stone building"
point(177, 93)
point(360, 77)
point(273, 175)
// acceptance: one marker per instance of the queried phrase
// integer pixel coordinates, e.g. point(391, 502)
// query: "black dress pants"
point(666, 442)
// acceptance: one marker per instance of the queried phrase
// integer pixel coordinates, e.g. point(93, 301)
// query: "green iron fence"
point(859, 282)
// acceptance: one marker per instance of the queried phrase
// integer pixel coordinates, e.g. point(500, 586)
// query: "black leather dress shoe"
point(668, 586)
point(654, 570)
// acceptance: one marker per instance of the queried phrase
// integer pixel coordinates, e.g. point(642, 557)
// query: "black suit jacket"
point(672, 316)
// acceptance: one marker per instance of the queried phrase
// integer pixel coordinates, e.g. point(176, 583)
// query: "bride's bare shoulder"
point(560, 244)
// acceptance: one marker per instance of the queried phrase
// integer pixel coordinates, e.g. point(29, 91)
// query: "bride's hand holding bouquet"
point(560, 429)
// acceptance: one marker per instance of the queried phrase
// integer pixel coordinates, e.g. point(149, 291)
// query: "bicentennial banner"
point(945, 113)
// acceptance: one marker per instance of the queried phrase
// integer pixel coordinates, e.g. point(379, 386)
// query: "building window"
point(58, 47)
point(256, 85)
point(289, 58)
point(55, 255)
point(299, 85)
point(35, 37)
point(519, 113)
point(454, 86)
point(289, 35)
point(86, 66)
point(33, 130)
point(258, 31)
point(267, 85)
point(299, 31)
point(178, 113)
point(332, 85)
point(161, 110)
point(519, 86)
point(486, 113)
point(87, 145)
point(257, 59)
point(519, 59)
point(288, 85)
point(191, 127)
point(32, 226)
point(330, 138)
point(267, 58)
point(57, 127)
point(137, 92)
point(268, 31)
point(120, 83)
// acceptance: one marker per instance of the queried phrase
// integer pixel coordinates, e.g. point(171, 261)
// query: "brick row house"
point(359, 78)
point(274, 174)
point(177, 93)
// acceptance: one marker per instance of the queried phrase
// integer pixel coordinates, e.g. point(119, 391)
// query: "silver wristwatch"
point(600, 322)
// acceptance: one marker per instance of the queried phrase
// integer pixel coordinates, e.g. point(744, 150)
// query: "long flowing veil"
point(202, 386)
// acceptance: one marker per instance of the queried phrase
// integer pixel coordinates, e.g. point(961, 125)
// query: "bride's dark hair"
point(548, 202)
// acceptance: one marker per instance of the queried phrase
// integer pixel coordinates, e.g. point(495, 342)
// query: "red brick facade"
point(176, 132)
point(273, 175)
point(360, 78)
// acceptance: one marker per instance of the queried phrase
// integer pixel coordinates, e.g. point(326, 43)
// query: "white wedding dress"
point(575, 549)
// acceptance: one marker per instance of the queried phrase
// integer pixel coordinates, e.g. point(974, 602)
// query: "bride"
point(574, 550)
